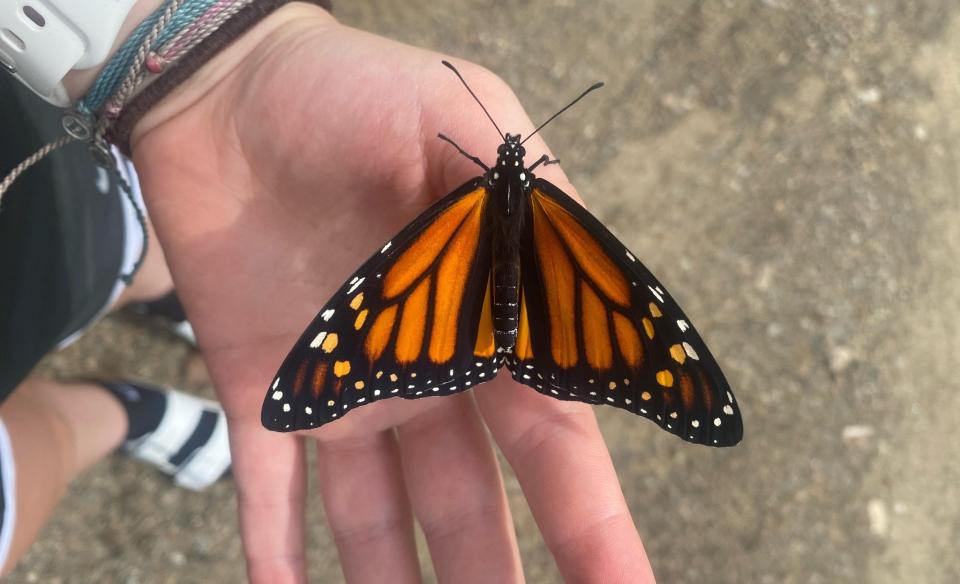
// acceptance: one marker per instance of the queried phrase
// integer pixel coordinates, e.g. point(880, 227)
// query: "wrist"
point(286, 23)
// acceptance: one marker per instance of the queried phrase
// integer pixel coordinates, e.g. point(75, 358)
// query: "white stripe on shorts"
point(8, 474)
point(132, 240)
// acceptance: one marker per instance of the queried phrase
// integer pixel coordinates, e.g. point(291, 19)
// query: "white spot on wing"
point(630, 255)
point(683, 325)
point(655, 293)
point(327, 314)
point(690, 351)
point(286, 407)
point(308, 410)
point(355, 285)
point(386, 247)
point(318, 340)
point(728, 410)
point(277, 395)
point(276, 382)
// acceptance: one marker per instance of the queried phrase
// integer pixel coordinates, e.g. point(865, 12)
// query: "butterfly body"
point(506, 271)
point(509, 183)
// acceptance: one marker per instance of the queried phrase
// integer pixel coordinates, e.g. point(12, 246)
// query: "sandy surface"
point(789, 170)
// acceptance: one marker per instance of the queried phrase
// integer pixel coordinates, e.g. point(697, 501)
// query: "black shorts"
point(62, 234)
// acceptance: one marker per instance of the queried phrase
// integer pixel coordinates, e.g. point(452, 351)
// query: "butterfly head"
point(510, 155)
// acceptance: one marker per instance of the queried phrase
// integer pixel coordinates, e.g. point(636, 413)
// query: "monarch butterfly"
point(506, 270)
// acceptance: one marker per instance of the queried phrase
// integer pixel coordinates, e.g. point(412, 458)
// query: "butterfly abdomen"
point(506, 301)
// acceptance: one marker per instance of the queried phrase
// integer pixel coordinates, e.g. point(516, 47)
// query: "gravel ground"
point(789, 170)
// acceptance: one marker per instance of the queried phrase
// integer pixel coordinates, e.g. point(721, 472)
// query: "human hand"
point(270, 176)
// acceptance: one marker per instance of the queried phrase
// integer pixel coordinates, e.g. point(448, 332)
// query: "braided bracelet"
point(175, 72)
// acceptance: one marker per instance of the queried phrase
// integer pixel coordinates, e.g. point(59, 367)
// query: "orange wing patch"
point(484, 346)
point(687, 396)
point(319, 374)
point(558, 274)
point(707, 392)
point(451, 280)
point(425, 250)
point(300, 378)
point(361, 318)
point(596, 334)
point(379, 334)
point(628, 340)
point(524, 347)
point(412, 322)
point(453, 236)
point(589, 255)
point(566, 254)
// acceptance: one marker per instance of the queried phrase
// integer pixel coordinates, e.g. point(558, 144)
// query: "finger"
point(271, 487)
point(366, 503)
point(564, 468)
point(457, 494)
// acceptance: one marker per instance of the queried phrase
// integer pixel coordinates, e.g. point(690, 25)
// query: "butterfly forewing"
point(413, 321)
point(596, 326)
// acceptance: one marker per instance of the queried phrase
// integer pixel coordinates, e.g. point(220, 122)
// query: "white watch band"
point(42, 40)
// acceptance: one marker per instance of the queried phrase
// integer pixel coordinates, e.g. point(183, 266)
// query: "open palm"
point(267, 189)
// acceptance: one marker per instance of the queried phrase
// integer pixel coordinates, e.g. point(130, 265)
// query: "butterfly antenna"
point(593, 87)
point(464, 81)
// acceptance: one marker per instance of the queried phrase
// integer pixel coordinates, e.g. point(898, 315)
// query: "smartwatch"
point(42, 40)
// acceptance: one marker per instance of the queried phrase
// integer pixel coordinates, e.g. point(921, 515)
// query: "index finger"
point(562, 464)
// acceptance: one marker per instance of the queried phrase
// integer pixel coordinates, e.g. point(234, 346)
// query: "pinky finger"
point(271, 492)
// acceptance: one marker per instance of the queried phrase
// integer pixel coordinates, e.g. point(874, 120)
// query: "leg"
point(470, 157)
point(544, 160)
point(58, 429)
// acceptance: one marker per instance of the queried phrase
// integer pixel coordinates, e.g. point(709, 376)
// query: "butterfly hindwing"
point(597, 326)
point(413, 321)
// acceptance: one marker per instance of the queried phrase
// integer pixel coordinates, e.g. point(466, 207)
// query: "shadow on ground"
point(789, 170)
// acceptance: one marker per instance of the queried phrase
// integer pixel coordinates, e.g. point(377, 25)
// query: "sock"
point(168, 307)
point(144, 406)
point(182, 435)
point(169, 311)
